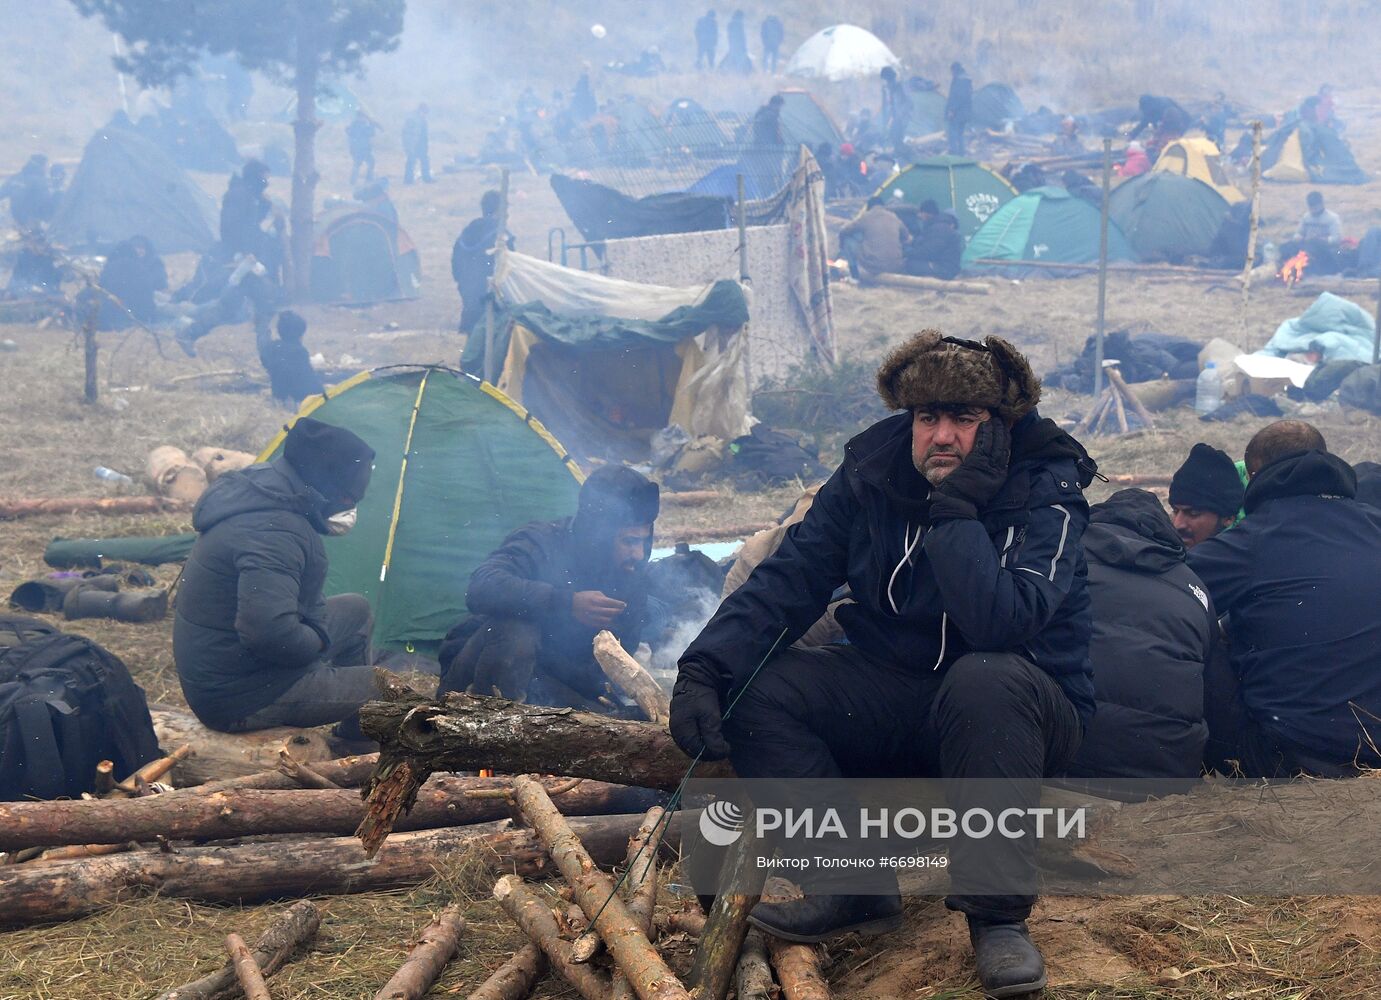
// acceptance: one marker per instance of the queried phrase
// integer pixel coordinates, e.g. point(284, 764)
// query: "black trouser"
point(502, 656)
point(954, 136)
point(831, 712)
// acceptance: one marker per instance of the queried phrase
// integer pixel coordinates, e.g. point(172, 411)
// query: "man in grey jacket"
point(256, 643)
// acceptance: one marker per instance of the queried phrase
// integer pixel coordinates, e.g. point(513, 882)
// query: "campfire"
point(1293, 269)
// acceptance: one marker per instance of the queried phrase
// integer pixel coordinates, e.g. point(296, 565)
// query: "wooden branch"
point(298, 925)
point(436, 945)
point(726, 925)
point(247, 971)
point(536, 921)
point(346, 772)
point(627, 943)
point(465, 733)
point(798, 970)
point(302, 773)
point(921, 283)
point(152, 771)
point(12, 508)
point(81, 851)
point(690, 922)
point(255, 871)
point(753, 977)
point(1119, 383)
point(632, 677)
point(442, 802)
point(515, 978)
point(1138, 480)
point(104, 782)
point(640, 888)
point(689, 498)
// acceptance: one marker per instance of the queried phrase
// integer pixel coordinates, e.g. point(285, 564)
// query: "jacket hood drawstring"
point(909, 545)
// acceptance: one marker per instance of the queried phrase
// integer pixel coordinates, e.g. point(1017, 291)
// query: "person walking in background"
point(958, 109)
point(472, 260)
point(360, 135)
point(772, 34)
point(706, 40)
point(416, 145)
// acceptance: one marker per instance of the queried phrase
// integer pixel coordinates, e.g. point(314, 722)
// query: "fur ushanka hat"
point(931, 369)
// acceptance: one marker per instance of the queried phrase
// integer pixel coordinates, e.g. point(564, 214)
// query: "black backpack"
point(66, 704)
point(16, 629)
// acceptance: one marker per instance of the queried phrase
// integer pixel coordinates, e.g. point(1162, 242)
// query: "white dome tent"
point(841, 52)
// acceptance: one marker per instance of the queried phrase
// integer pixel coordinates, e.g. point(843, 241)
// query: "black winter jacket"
point(1012, 581)
point(533, 576)
point(1298, 578)
point(250, 606)
point(1153, 628)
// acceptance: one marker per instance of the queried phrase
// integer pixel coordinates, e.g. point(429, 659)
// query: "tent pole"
point(742, 234)
point(1256, 215)
point(1376, 336)
point(491, 365)
point(1102, 272)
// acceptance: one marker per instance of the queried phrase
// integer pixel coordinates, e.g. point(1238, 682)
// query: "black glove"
point(696, 715)
point(978, 478)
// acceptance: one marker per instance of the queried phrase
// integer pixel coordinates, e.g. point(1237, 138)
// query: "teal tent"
point(972, 190)
point(995, 104)
point(805, 122)
point(458, 465)
point(1045, 224)
point(1166, 216)
point(927, 112)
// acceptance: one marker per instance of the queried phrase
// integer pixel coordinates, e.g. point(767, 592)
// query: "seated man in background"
point(1297, 578)
point(1205, 495)
point(540, 599)
point(1153, 628)
point(938, 251)
point(291, 375)
point(872, 243)
point(256, 644)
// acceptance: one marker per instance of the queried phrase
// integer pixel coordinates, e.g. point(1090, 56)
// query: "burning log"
point(298, 925)
point(466, 733)
point(442, 802)
point(435, 947)
point(631, 677)
point(251, 872)
point(515, 978)
point(537, 922)
point(798, 970)
point(627, 943)
point(247, 971)
point(640, 888)
point(753, 977)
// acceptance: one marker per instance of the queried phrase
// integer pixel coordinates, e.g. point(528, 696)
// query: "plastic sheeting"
point(520, 279)
point(1343, 329)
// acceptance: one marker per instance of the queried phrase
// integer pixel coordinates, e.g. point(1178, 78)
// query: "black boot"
point(816, 918)
point(1009, 965)
point(130, 606)
point(47, 594)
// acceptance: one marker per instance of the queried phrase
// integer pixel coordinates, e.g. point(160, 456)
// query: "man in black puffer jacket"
point(255, 642)
point(957, 527)
point(540, 599)
point(1153, 628)
point(1297, 579)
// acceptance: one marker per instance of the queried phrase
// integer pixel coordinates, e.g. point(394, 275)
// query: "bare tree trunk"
point(298, 924)
point(309, 25)
point(435, 947)
point(515, 978)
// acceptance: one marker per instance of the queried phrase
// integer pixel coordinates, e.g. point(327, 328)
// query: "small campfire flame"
point(1293, 269)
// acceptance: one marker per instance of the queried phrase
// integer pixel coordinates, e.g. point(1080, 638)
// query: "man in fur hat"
point(956, 525)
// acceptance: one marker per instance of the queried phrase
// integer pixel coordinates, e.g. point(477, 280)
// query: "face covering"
point(340, 524)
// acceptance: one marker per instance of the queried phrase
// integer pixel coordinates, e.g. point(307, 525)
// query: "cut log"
point(690, 922)
point(436, 946)
point(914, 282)
point(537, 922)
point(753, 978)
point(726, 925)
point(632, 952)
point(689, 498)
point(152, 771)
point(247, 971)
point(105, 778)
point(640, 887)
point(514, 979)
point(347, 772)
point(252, 872)
point(249, 811)
point(298, 925)
point(16, 507)
point(229, 755)
point(632, 678)
point(798, 970)
point(466, 733)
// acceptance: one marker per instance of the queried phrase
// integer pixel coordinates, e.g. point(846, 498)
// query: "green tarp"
point(972, 190)
point(1044, 224)
point(80, 553)
point(1167, 217)
point(805, 122)
point(473, 467)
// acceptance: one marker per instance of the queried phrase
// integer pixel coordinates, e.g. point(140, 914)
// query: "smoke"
point(692, 615)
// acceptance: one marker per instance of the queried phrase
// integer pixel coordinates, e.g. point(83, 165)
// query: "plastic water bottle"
point(111, 476)
point(1208, 391)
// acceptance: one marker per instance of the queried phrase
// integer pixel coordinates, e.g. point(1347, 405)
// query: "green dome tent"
point(1167, 217)
point(972, 190)
point(927, 112)
point(806, 122)
point(995, 104)
point(458, 466)
point(1046, 224)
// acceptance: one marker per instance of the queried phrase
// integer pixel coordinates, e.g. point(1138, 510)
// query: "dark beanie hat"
point(330, 459)
point(615, 496)
point(1207, 480)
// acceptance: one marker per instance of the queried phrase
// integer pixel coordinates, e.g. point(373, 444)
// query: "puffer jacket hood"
point(1130, 530)
point(1308, 474)
point(267, 486)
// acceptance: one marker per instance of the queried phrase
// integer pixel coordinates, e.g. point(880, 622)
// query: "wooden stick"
point(689, 498)
point(153, 770)
point(81, 851)
point(640, 888)
point(346, 772)
point(104, 782)
point(302, 773)
point(515, 978)
point(247, 970)
point(1086, 425)
point(536, 920)
point(726, 925)
point(798, 969)
point(632, 677)
point(690, 922)
point(753, 977)
point(1120, 384)
point(17, 507)
point(1247, 265)
point(298, 924)
point(921, 283)
point(632, 952)
point(436, 945)
point(1121, 410)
